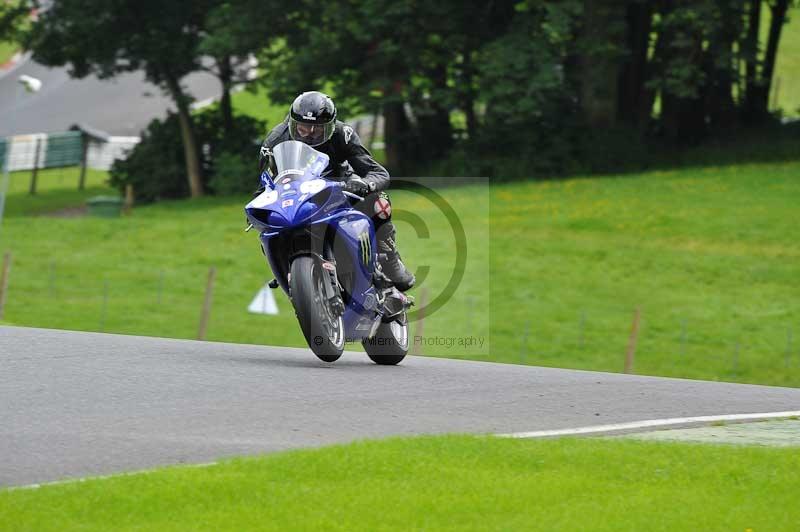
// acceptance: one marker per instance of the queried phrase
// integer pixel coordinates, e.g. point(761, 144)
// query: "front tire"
point(324, 331)
point(389, 346)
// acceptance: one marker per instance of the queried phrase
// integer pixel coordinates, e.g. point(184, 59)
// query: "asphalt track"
point(81, 404)
point(120, 106)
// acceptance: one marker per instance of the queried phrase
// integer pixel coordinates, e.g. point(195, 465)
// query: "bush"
point(233, 174)
point(156, 166)
point(531, 120)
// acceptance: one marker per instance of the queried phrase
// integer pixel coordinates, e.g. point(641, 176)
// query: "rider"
point(312, 120)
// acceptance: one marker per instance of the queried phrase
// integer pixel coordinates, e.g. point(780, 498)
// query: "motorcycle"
point(324, 256)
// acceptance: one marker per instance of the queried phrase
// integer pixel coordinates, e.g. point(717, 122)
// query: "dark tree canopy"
point(12, 15)
point(561, 84)
point(108, 37)
point(560, 74)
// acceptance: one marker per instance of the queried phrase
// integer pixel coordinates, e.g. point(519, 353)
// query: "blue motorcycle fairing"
point(296, 200)
point(303, 205)
point(354, 236)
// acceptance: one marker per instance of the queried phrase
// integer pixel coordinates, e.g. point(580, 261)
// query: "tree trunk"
point(751, 61)
point(682, 115)
point(469, 95)
point(190, 149)
point(226, 77)
point(433, 120)
point(720, 67)
point(683, 119)
point(396, 130)
point(602, 42)
point(775, 27)
point(635, 101)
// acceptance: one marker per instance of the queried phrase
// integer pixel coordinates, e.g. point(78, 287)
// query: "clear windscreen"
point(294, 158)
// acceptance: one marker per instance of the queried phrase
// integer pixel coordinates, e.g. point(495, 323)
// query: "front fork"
point(331, 286)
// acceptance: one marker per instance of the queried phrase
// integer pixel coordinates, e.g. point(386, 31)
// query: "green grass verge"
point(254, 102)
point(56, 189)
point(709, 255)
point(433, 483)
point(7, 50)
point(554, 272)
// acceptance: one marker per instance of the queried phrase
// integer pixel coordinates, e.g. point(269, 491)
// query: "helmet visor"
point(310, 133)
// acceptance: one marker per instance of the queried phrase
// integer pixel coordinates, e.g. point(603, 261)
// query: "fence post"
point(51, 280)
point(201, 332)
point(4, 281)
point(523, 348)
point(35, 173)
point(683, 338)
point(105, 306)
point(160, 286)
point(84, 158)
point(374, 130)
point(631, 352)
point(420, 328)
point(128, 205)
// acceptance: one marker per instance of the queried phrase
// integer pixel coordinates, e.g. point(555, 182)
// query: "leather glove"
point(358, 186)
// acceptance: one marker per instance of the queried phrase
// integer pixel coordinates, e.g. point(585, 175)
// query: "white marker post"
point(264, 302)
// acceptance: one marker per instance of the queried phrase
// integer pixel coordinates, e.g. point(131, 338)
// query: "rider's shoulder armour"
point(278, 134)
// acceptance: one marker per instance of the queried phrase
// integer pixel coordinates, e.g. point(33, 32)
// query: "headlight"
point(276, 220)
point(312, 187)
point(268, 197)
point(307, 209)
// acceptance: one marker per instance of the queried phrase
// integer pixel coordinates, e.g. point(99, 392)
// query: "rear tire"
point(323, 331)
point(389, 346)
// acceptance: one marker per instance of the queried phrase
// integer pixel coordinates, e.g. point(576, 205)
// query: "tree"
point(234, 31)
point(12, 15)
point(555, 80)
point(108, 37)
point(412, 61)
point(750, 48)
point(601, 47)
point(695, 69)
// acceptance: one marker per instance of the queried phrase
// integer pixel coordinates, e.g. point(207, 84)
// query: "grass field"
point(6, 51)
point(709, 255)
point(256, 104)
point(787, 64)
point(440, 483)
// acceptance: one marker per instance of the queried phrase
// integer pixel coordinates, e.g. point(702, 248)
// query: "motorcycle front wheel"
point(323, 330)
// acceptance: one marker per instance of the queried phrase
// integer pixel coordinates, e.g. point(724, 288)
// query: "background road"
point(76, 404)
point(120, 106)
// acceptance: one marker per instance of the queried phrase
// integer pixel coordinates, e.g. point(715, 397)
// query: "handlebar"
point(349, 194)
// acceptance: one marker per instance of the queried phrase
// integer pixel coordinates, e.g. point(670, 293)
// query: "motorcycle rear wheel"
point(389, 346)
point(324, 332)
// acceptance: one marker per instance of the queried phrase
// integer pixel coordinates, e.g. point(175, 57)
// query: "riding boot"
point(389, 258)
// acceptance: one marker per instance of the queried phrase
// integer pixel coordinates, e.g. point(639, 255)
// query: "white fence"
point(42, 150)
point(101, 155)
